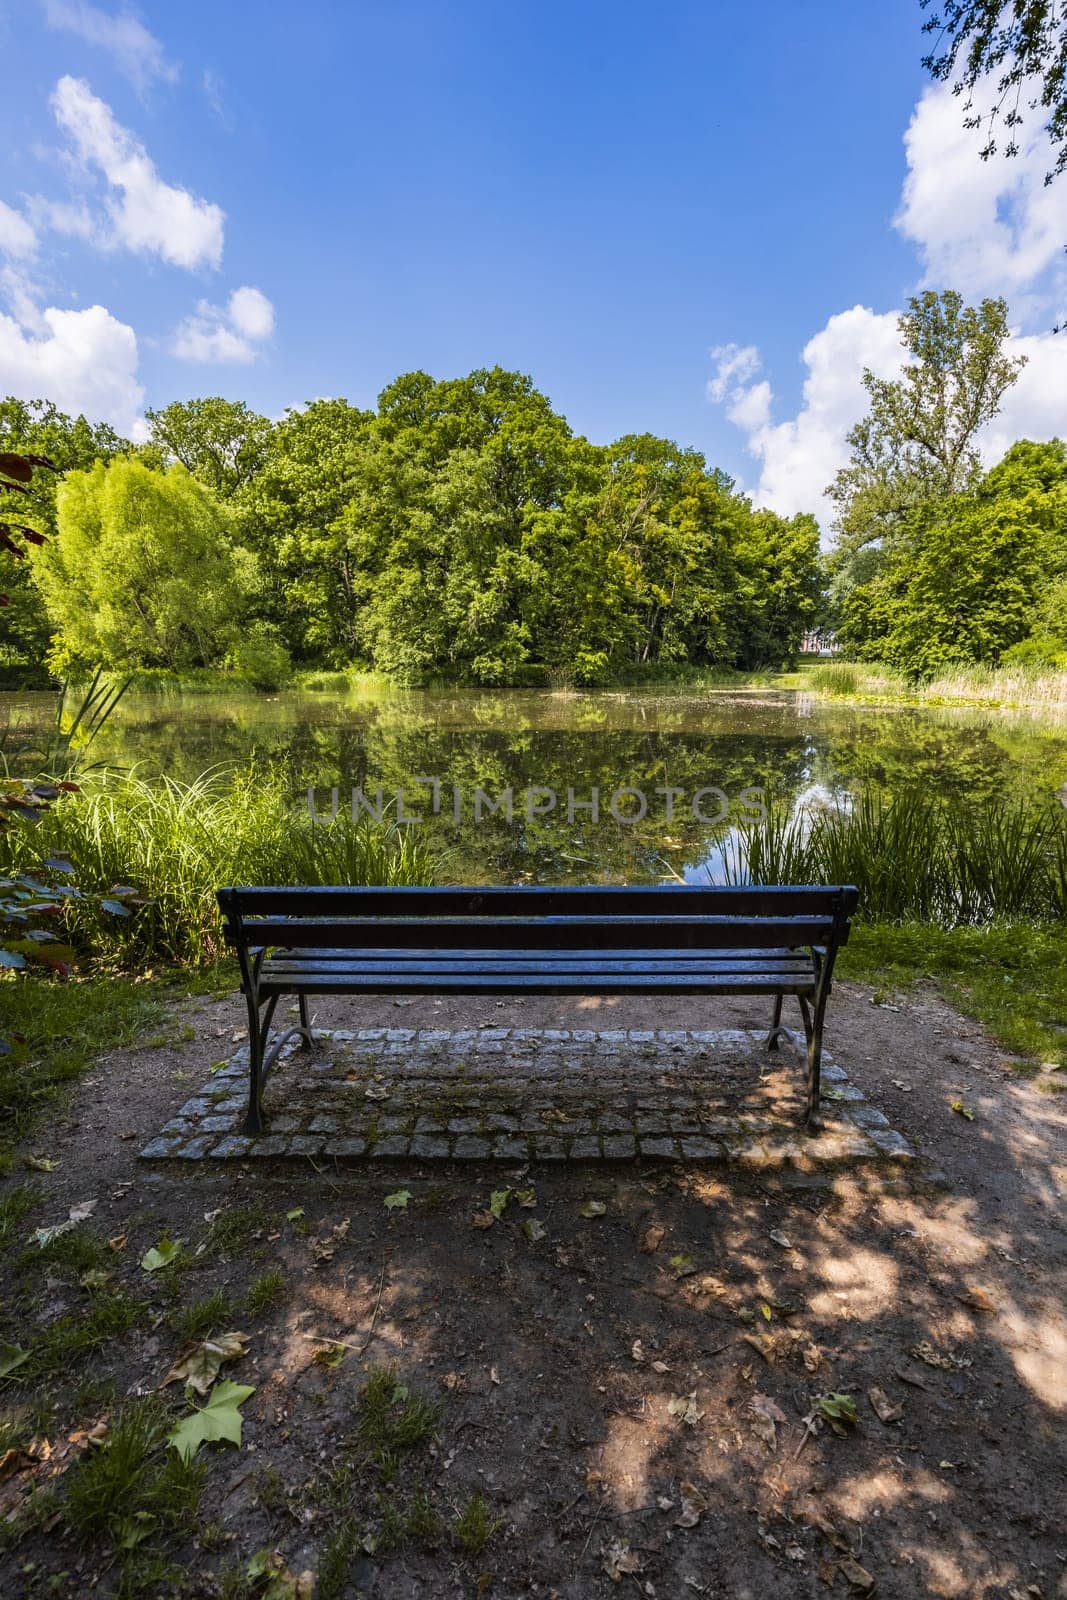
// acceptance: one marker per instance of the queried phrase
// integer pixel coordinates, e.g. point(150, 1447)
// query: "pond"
point(667, 766)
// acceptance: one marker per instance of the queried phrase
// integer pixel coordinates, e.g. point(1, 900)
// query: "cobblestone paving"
point(532, 1094)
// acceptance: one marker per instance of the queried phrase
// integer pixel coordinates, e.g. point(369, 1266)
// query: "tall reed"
point(913, 861)
point(178, 842)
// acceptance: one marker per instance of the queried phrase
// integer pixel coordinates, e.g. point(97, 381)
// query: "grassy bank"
point(1042, 689)
point(1010, 976)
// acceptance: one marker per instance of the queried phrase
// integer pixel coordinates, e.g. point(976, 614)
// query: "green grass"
point(133, 1488)
point(264, 1293)
point(65, 1024)
point(391, 1419)
point(1010, 976)
point(178, 842)
point(474, 1527)
point(213, 1314)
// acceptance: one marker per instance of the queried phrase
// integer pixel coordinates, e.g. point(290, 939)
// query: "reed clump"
point(916, 861)
point(176, 843)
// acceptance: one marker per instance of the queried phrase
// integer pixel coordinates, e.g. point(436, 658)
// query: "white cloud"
point(251, 313)
point(18, 237)
point(798, 457)
point(233, 332)
point(984, 227)
point(144, 214)
point(735, 364)
point(83, 360)
point(138, 54)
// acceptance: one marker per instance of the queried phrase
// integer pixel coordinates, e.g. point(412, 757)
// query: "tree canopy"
point(1022, 46)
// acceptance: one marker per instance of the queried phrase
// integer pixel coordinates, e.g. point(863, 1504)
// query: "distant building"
point(819, 642)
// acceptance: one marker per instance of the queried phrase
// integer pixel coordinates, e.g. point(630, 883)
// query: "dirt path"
point(626, 1391)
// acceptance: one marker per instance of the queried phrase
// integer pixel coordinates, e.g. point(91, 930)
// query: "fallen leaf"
point(219, 1419)
point(858, 1577)
point(118, 1241)
point(534, 1230)
point(885, 1410)
point(962, 1111)
point(11, 1357)
point(660, 1366)
point(161, 1255)
point(398, 1200)
point(325, 1248)
point(619, 1560)
point(637, 1351)
point(812, 1357)
point(694, 1506)
point(979, 1300)
point(652, 1239)
point(685, 1406)
point(683, 1266)
point(281, 1584)
point(592, 1208)
point(780, 1239)
point(198, 1365)
point(924, 1351)
point(839, 1410)
point(376, 1092)
point(329, 1356)
point(527, 1198)
point(765, 1413)
point(40, 1163)
point(95, 1278)
point(13, 1461)
point(498, 1201)
point(294, 1215)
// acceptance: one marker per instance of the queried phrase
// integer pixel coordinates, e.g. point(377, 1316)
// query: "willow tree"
point(141, 572)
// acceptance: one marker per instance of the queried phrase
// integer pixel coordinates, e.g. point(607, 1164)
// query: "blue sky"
point(630, 203)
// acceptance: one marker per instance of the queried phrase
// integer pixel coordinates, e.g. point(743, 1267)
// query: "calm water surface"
point(793, 747)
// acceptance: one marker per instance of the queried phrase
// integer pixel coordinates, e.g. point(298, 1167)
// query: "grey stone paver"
point(526, 1095)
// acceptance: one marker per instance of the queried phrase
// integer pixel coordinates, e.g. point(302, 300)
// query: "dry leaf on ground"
point(694, 1506)
point(652, 1239)
point(198, 1365)
point(685, 1406)
point(765, 1413)
point(619, 1560)
point(885, 1410)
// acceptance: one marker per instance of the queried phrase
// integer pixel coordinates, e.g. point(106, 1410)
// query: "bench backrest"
point(539, 918)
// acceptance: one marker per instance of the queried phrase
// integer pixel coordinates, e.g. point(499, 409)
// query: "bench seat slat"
point(508, 982)
point(536, 933)
point(724, 957)
point(534, 964)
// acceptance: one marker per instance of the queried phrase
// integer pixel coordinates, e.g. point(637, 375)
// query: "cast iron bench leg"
point(776, 1026)
point(305, 1026)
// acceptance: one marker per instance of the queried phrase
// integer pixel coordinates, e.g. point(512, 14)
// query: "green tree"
point(917, 442)
point(289, 517)
point(141, 571)
point(976, 575)
point(222, 442)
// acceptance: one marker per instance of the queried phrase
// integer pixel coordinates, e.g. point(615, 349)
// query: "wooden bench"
point(672, 941)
